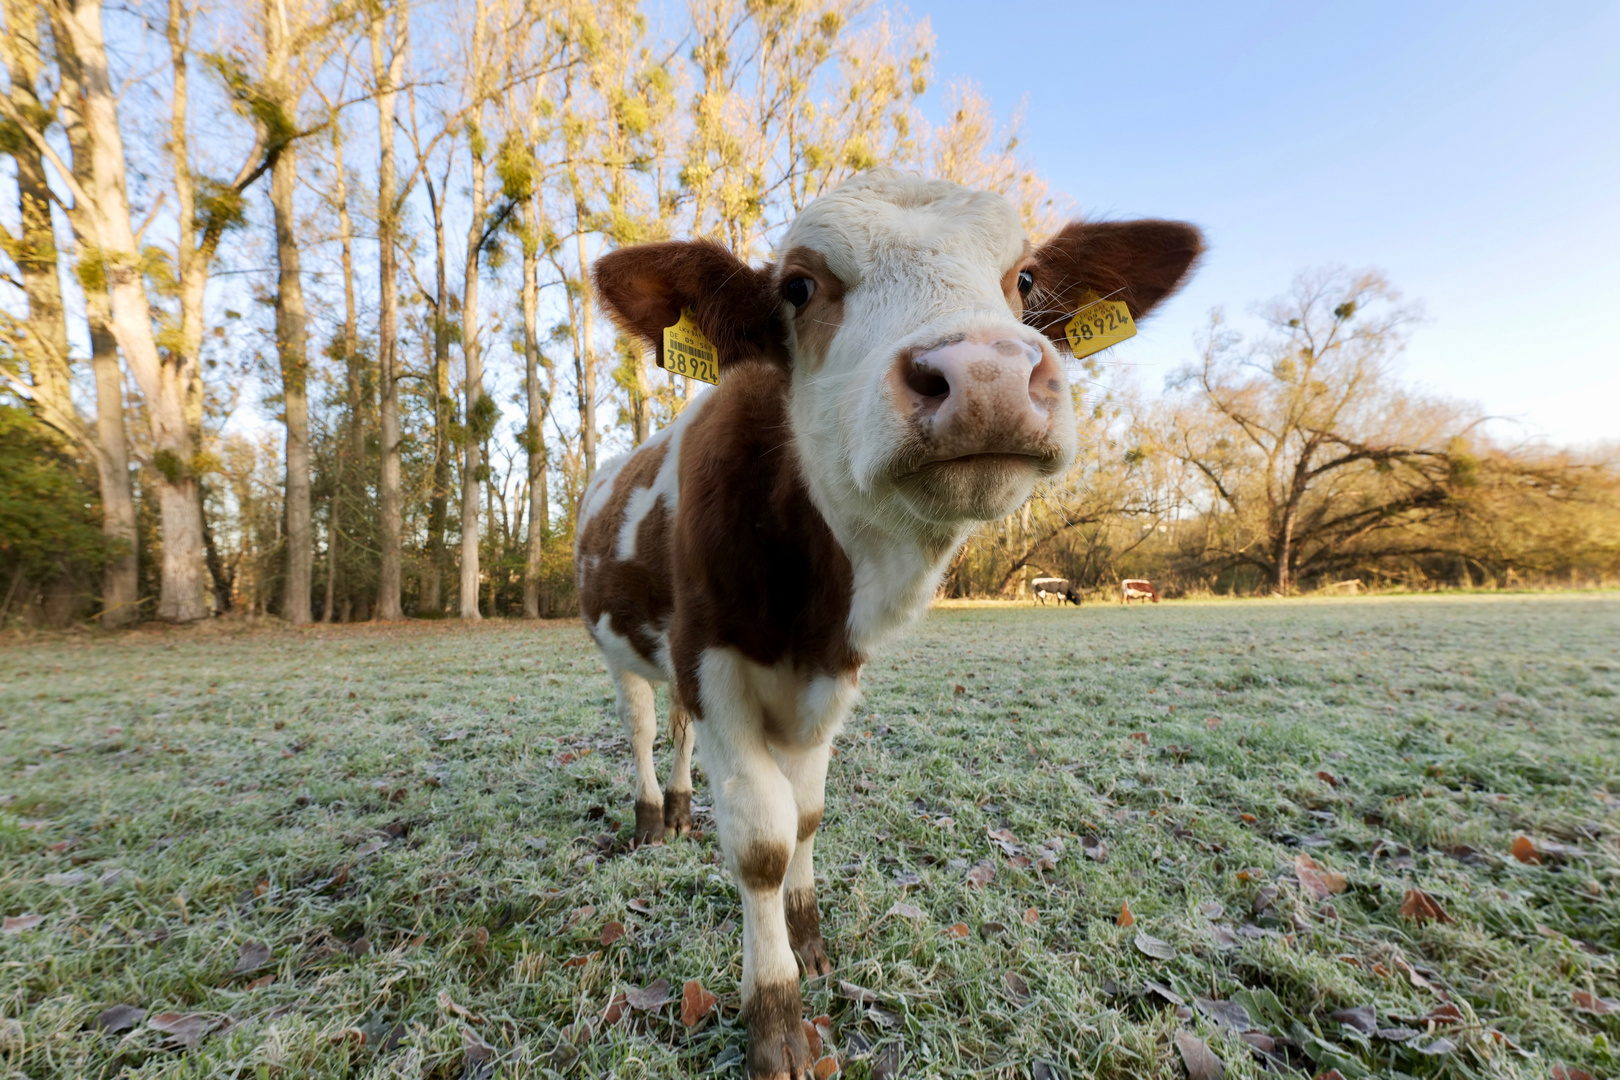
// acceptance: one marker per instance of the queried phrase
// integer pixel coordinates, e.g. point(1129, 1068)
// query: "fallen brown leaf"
point(1031, 916)
point(1157, 948)
point(612, 932)
point(957, 930)
point(856, 993)
point(261, 982)
point(16, 924)
point(695, 1003)
point(616, 1010)
point(187, 1029)
point(826, 1067)
point(648, 997)
point(1327, 778)
point(1595, 1005)
point(981, 875)
point(1331, 1074)
point(1560, 1071)
point(581, 961)
point(1524, 849)
point(905, 911)
point(813, 1038)
point(251, 955)
point(1124, 918)
point(119, 1018)
point(1444, 1013)
point(1201, 1062)
point(1016, 986)
point(1419, 906)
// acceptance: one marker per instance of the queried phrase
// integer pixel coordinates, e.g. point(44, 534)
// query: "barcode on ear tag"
point(687, 352)
point(1097, 324)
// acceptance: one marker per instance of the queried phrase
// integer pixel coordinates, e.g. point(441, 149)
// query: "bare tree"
point(387, 66)
point(1305, 445)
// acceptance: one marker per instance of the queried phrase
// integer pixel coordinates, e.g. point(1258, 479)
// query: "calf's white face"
point(915, 380)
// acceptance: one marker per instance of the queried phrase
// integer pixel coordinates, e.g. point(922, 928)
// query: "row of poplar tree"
point(365, 226)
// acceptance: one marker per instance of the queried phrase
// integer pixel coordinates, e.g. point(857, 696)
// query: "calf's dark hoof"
point(649, 824)
point(777, 1047)
point(677, 813)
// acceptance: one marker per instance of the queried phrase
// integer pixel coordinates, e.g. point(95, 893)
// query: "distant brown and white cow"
point(1062, 588)
point(1137, 589)
point(892, 379)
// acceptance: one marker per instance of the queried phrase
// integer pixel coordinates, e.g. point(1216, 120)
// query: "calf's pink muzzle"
point(981, 394)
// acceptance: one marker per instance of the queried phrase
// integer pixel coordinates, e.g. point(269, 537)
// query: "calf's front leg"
point(758, 820)
point(678, 792)
point(806, 770)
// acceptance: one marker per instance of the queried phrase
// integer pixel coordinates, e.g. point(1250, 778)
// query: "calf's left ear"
point(645, 288)
point(1139, 262)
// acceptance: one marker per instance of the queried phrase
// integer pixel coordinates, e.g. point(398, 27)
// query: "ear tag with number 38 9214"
point(687, 352)
point(1096, 325)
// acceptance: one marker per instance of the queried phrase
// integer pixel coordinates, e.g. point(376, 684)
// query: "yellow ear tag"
point(687, 352)
point(1096, 325)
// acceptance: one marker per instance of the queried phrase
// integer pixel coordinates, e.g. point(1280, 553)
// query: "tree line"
point(296, 316)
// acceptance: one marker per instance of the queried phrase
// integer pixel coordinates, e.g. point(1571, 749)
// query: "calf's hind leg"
point(640, 719)
point(678, 792)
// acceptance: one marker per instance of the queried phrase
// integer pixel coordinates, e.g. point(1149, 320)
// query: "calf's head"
point(924, 333)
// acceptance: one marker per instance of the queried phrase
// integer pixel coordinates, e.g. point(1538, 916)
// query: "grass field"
point(420, 832)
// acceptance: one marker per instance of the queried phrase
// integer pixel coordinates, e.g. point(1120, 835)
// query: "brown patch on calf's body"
point(804, 931)
point(816, 324)
point(809, 822)
point(762, 865)
point(635, 592)
point(760, 570)
point(777, 1047)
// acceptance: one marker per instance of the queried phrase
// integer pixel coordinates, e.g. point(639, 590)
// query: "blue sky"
point(1470, 150)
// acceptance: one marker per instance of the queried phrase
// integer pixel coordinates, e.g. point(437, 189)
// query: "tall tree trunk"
point(583, 347)
point(534, 434)
point(166, 383)
point(350, 457)
point(472, 469)
point(443, 408)
point(50, 365)
point(292, 347)
point(386, 75)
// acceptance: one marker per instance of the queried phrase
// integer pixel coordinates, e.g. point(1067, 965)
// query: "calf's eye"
point(1026, 282)
point(797, 291)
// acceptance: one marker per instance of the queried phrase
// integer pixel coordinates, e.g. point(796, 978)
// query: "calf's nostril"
point(926, 383)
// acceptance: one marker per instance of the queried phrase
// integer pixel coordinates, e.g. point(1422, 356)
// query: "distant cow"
point(1062, 588)
point(894, 379)
point(1137, 589)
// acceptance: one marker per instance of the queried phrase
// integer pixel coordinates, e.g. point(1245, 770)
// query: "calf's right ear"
point(645, 288)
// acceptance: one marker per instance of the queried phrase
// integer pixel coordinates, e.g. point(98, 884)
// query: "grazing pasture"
point(402, 850)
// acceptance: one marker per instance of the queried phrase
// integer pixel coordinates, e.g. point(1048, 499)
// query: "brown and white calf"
point(1137, 589)
point(892, 379)
point(1062, 588)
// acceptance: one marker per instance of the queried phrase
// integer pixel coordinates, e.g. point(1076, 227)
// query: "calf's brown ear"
point(1139, 262)
point(645, 287)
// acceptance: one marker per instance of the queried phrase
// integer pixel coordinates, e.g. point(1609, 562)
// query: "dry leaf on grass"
point(616, 1010)
point(1331, 1074)
point(826, 1067)
point(261, 982)
point(187, 1029)
point(119, 1018)
point(1524, 849)
point(856, 993)
point(957, 930)
point(1419, 906)
point(695, 1003)
point(462, 1011)
point(1201, 1062)
point(1006, 841)
point(1031, 916)
point(1157, 948)
point(812, 1038)
point(68, 880)
point(981, 875)
point(253, 954)
point(1364, 1018)
point(612, 932)
point(1560, 1071)
point(905, 911)
point(16, 924)
point(648, 997)
point(1124, 918)
point(886, 1065)
point(1317, 879)
point(1016, 986)
point(1597, 1006)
